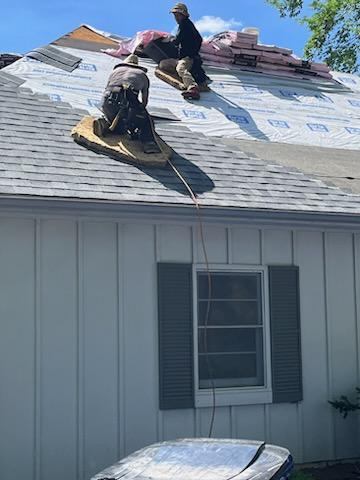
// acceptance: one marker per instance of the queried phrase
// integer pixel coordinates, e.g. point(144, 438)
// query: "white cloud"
point(210, 25)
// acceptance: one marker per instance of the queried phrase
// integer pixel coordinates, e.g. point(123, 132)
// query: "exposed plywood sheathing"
point(85, 33)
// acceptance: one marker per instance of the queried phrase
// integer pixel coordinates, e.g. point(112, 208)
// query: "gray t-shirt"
point(129, 75)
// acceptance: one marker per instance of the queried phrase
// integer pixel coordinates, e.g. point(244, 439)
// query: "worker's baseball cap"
point(180, 8)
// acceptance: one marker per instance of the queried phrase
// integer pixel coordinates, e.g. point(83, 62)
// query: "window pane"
point(239, 286)
point(221, 340)
point(234, 335)
point(230, 312)
point(234, 370)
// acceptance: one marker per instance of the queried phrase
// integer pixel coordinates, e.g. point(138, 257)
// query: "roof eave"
point(169, 213)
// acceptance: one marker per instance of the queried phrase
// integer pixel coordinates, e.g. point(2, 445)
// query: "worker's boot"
point(151, 147)
point(192, 93)
point(101, 127)
point(204, 87)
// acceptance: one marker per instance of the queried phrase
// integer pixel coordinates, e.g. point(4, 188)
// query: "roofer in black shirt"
point(188, 40)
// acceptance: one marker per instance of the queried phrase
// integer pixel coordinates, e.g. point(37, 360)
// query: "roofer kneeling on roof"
point(189, 41)
point(121, 105)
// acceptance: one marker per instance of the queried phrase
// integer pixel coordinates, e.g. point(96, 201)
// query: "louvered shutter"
point(176, 367)
point(285, 334)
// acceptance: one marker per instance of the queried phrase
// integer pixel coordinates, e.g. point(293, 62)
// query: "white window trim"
point(237, 395)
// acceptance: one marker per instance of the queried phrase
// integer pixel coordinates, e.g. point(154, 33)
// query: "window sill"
point(233, 397)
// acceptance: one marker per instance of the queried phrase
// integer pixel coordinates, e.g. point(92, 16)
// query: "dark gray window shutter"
point(175, 336)
point(285, 334)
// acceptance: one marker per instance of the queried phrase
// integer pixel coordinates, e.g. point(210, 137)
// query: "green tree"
point(334, 27)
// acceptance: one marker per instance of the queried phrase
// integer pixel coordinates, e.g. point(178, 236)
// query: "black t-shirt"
point(188, 39)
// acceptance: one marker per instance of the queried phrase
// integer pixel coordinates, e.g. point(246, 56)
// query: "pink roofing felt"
point(141, 38)
point(237, 48)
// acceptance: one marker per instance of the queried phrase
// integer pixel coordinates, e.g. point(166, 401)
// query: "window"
point(244, 303)
point(230, 333)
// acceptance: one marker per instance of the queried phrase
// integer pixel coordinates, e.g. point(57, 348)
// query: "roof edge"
point(150, 213)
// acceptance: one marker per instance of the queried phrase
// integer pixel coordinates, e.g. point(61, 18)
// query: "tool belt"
point(130, 113)
point(124, 95)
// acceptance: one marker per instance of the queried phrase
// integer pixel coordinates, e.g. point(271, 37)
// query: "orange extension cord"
point(202, 236)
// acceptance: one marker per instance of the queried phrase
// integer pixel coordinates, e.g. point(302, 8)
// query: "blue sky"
point(26, 24)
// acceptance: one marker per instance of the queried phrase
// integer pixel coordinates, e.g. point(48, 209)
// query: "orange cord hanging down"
point(202, 236)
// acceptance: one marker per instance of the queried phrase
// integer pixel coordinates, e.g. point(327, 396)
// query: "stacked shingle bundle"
point(8, 58)
point(243, 49)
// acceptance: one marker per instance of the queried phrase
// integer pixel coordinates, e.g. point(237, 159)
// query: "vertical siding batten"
point(343, 335)
point(222, 428)
point(118, 339)
point(80, 350)
point(357, 296)
point(245, 244)
point(17, 340)
point(140, 325)
point(357, 303)
point(117, 352)
point(37, 346)
point(278, 248)
point(216, 244)
point(229, 239)
point(328, 346)
point(250, 422)
point(100, 346)
point(59, 349)
point(121, 340)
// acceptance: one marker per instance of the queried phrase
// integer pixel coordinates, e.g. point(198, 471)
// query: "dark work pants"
point(132, 113)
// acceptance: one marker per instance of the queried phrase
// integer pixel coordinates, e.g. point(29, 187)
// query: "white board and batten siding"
point(79, 346)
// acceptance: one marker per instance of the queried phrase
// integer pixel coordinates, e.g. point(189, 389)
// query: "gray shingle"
point(6, 79)
point(39, 158)
point(55, 57)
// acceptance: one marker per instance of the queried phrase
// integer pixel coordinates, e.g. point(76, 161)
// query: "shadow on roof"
point(239, 115)
point(197, 179)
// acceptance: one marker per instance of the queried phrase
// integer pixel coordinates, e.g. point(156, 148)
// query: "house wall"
point(78, 342)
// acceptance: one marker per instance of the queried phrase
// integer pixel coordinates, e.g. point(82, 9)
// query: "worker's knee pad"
point(163, 65)
point(180, 69)
point(168, 65)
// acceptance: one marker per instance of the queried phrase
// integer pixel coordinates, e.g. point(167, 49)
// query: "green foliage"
point(345, 406)
point(301, 476)
point(290, 8)
point(334, 27)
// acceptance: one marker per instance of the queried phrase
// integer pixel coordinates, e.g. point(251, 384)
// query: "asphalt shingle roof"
point(39, 158)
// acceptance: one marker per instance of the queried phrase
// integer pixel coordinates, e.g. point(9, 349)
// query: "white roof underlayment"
point(242, 104)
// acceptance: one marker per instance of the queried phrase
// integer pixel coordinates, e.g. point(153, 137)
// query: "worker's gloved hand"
point(101, 127)
point(168, 39)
